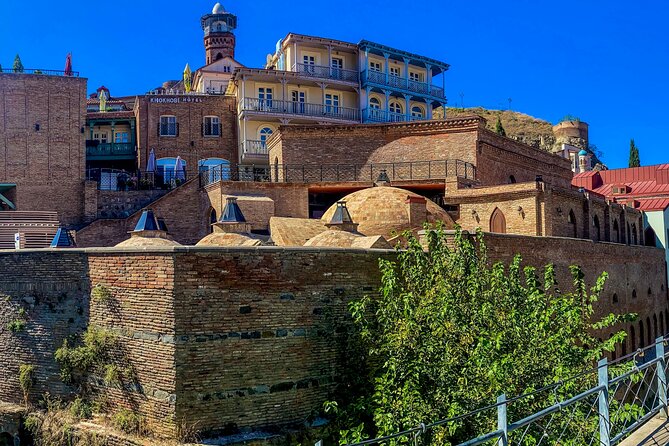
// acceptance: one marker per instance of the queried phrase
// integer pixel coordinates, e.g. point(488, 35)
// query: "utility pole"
point(509, 103)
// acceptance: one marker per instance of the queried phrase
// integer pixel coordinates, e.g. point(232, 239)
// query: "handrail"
point(325, 72)
point(279, 106)
point(39, 71)
point(402, 82)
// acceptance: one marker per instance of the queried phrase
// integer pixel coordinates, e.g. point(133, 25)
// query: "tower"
point(219, 41)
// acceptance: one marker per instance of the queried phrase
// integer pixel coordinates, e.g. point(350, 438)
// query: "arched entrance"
point(6, 439)
point(572, 222)
point(498, 222)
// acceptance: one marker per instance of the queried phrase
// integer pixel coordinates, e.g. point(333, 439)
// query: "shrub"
point(75, 362)
point(16, 326)
point(101, 293)
point(26, 379)
point(129, 422)
point(80, 408)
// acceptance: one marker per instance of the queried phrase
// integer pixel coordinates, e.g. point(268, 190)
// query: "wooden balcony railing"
point(402, 83)
point(324, 72)
point(121, 150)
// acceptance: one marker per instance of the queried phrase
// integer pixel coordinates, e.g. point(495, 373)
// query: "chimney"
point(341, 220)
point(232, 219)
point(417, 210)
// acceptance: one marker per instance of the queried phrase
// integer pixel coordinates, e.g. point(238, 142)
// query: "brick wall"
point(52, 289)
point(122, 204)
point(46, 164)
point(190, 144)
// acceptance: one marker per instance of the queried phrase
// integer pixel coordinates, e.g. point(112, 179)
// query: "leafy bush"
point(101, 293)
point(26, 379)
point(16, 326)
point(128, 422)
point(80, 408)
point(450, 333)
point(75, 362)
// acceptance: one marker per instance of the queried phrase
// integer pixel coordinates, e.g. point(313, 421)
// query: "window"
point(265, 133)
point(100, 137)
point(167, 169)
point(168, 126)
point(331, 103)
point(375, 66)
point(226, 69)
point(374, 104)
point(395, 71)
point(265, 98)
point(572, 222)
point(416, 112)
point(309, 63)
point(298, 98)
point(217, 169)
point(337, 64)
point(615, 298)
point(395, 107)
point(211, 126)
point(416, 77)
point(121, 137)
point(597, 231)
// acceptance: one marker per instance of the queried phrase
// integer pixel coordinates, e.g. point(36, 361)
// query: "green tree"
point(634, 155)
point(450, 333)
point(18, 66)
point(499, 128)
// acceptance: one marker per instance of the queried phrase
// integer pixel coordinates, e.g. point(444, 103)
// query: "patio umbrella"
point(68, 65)
point(188, 79)
point(179, 169)
point(151, 162)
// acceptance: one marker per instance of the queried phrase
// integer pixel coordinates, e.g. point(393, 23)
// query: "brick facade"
point(190, 143)
point(42, 147)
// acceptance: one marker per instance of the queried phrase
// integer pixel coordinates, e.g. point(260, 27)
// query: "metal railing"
point(331, 173)
point(254, 147)
point(378, 115)
point(277, 106)
point(402, 83)
point(324, 72)
point(124, 180)
point(117, 149)
point(39, 71)
point(601, 406)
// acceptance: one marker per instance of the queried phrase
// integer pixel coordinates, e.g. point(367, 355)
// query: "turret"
point(219, 41)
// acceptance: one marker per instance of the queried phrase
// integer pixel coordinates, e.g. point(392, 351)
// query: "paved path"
point(654, 433)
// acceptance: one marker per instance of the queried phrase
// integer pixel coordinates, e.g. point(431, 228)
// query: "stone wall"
point(42, 147)
point(122, 204)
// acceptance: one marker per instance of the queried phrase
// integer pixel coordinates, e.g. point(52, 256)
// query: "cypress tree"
point(634, 155)
point(18, 66)
point(499, 128)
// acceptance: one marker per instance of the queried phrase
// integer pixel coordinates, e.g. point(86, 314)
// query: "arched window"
point(634, 235)
point(642, 340)
point(616, 231)
point(375, 108)
point(572, 222)
point(615, 298)
point(167, 168)
point(649, 331)
point(374, 103)
point(417, 112)
point(512, 179)
point(396, 113)
point(633, 294)
point(629, 235)
point(656, 329)
point(263, 136)
point(216, 169)
point(632, 338)
point(597, 231)
point(650, 292)
point(498, 222)
point(219, 56)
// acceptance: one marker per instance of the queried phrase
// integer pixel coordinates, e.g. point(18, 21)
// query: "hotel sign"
point(175, 100)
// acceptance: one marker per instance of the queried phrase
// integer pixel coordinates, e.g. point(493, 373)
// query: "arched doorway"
point(498, 222)
point(213, 218)
point(634, 235)
point(597, 231)
point(616, 231)
point(6, 439)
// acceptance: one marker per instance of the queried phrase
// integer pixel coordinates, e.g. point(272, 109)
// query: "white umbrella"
point(179, 169)
point(151, 162)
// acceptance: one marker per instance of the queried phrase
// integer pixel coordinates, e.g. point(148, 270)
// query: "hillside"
point(532, 131)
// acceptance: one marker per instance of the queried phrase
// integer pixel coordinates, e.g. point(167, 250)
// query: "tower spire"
point(219, 40)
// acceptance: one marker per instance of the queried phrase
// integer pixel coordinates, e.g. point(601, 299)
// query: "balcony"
point(300, 109)
point(378, 115)
point(402, 83)
point(323, 72)
point(254, 151)
point(107, 151)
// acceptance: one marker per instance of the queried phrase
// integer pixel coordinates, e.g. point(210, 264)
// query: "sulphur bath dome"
point(388, 211)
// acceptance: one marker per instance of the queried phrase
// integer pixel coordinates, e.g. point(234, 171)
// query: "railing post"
point(502, 421)
point(603, 400)
point(661, 375)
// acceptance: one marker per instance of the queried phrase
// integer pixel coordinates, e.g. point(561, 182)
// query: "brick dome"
point(385, 211)
point(146, 242)
point(336, 238)
point(228, 239)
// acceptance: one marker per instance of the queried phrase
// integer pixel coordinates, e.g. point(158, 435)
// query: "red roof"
point(641, 182)
point(654, 204)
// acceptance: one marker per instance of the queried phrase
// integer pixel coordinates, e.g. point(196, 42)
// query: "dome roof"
point(582, 153)
point(228, 239)
point(218, 9)
point(146, 242)
point(344, 239)
point(384, 211)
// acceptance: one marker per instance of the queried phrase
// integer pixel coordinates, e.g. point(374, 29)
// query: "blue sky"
point(606, 62)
